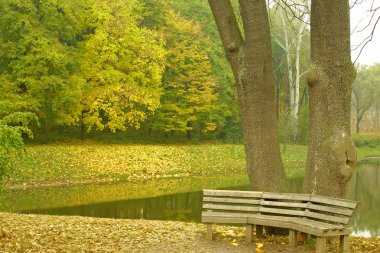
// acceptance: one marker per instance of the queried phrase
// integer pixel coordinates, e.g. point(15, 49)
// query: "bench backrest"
point(314, 207)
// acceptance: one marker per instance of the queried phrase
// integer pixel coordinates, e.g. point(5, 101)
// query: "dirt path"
point(43, 233)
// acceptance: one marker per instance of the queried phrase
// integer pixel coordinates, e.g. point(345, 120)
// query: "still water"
point(180, 199)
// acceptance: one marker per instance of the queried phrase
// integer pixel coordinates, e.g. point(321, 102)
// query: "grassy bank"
point(62, 164)
point(81, 162)
point(88, 162)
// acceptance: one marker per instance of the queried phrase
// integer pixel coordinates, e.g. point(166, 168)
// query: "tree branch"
point(229, 30)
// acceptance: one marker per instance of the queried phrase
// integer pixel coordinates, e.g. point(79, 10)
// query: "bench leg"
point(344, 245)
point(209, 232)
point(248, 232)
point(259, 231)
point(320, 245)
point(292, 238)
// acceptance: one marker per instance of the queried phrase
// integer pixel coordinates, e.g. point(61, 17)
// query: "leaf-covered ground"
point(88, 162)
point(42, 233)
point(93, 162)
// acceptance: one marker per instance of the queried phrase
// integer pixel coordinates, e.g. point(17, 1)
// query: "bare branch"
point(366, 40)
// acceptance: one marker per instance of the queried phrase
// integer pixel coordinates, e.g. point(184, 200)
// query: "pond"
point(179, 199)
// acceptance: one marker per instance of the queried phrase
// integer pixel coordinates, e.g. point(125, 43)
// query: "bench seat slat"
point(281, 211)
point(221, 219)
point(286, 196)
point(230, 207)
point(254, 218)
point(226, 193)
point(333, 201)
point(343, 211)
point(283, 204)
point(330, 218)
point(231, 200)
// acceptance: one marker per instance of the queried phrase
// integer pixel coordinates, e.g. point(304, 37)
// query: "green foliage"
point(366, 93)
point(226, 114)
point(120, 70)
point(37, 55)
point(12, 129)
point(188, 95)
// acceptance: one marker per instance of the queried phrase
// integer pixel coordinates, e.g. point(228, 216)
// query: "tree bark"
point(331, 151)
point(251, 63)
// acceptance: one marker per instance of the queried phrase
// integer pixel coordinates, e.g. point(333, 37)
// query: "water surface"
point(180, 199)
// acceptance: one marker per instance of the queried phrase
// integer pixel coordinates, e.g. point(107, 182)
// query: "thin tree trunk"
point(331, 152)
point(358, 118)
point(357, 125)
point(290, 69)
point(188, 132)
point(293, 78)
point(377, 119)
point(296, 104)
point(251, 62)
point(83, 127)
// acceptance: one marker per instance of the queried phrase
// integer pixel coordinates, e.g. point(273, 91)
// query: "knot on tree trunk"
point(233, 46)
point(343, 155)
point(314, 76)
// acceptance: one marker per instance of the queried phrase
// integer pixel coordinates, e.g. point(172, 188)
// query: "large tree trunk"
point(251, 62)
point(331, 151)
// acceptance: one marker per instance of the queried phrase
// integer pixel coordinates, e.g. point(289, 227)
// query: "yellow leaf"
point(259, 245)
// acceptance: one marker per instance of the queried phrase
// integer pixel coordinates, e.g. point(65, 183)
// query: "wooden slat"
point(230, 207)
point(272, 222)
point(317, 224)
point(282, 204)
point(286, 196)
point(343, 211)
point(223, 217)
point(299, 224)
point(226, 193)
point(319, 232)
point(225, 214)
point(333, 201)
point(331, 218)
point(281, 211)
point(231, 200)
point(216, 219)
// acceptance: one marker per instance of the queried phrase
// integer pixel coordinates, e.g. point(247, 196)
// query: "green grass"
point(367, 140)
point(89, 161)
point(367, 145)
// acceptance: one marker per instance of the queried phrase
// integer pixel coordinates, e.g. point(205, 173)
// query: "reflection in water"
point(365, 189)
point(122, 201)
point(181, 207)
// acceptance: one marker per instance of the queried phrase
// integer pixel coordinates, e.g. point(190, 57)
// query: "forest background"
point(147, 72)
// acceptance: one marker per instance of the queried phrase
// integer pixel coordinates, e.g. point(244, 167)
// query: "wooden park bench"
point(312, 214)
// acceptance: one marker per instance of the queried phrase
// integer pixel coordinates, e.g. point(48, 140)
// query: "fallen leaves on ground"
point(43, 233)
point(94, 162)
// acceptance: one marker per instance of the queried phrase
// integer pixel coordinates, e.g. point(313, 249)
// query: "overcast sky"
point(360, 17)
